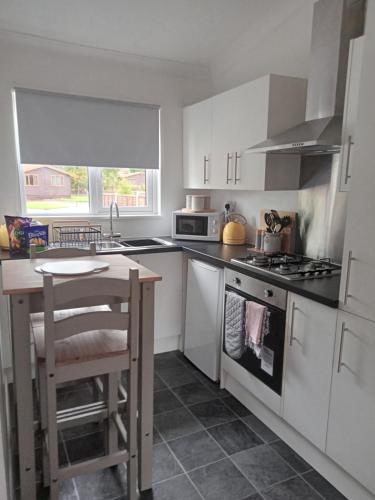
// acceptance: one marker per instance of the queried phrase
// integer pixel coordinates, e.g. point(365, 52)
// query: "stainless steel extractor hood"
point(335, 23)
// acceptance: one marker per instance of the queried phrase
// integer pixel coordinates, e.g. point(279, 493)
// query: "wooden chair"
point(89, 344)
point(62, 253)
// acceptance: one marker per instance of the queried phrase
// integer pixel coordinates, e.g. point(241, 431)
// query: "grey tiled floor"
point(206, 446)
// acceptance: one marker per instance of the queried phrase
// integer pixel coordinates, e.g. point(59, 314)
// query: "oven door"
point(269, 369)
point(191, 225)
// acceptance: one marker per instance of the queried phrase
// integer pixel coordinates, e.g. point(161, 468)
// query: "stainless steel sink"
point(109, 245)
point(146, 243)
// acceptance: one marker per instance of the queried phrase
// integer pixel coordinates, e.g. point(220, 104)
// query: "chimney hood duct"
point(335, 23)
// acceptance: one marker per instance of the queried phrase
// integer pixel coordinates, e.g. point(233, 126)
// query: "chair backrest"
point(62, 252)
point(100, 289)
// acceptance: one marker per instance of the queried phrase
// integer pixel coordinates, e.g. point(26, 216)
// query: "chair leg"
point(111, 395)
point(53, 455)
point(43, 419)
point(132, 405)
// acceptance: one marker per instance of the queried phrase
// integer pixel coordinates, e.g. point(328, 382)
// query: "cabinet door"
point(351, 428)
point(239, 120)
point(350, 111)
point(197, 127)
point(168, 296)
point(311, 331)
point(357, 294)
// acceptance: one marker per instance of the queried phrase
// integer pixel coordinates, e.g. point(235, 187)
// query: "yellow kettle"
point(234, 232)
point(4, 238)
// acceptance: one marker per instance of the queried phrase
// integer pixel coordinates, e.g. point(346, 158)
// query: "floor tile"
point(176, 423)
point(255, 496)
point(71, 399)
point(176, 376)
point(181, 357)
point(196, 450)
point(193, 393)
point(221, 480)
point(293, 489)
point(294, 460)
point(165, 401)
point(158, 383)
point(177, 488)
point(322, 486)
point(156, 436)
point(234, 436)
point(213, 412)
point(166, 360)
point(164, 464)
point(82, 430)
point(262, 466)
point(260, 428)
point(213, 386)
point(236, 406)
point(85, 447)
point(104, 484)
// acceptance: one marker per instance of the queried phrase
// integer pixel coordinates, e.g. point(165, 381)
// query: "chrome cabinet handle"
point(205, 178)
point(348, 269)
point(229, 157)
point(340, 363)
point(292, 324)
point(347, 175)
point(236, 157)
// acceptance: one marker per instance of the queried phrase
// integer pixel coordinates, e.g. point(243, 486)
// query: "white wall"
point(33, 63)
point(270, 48)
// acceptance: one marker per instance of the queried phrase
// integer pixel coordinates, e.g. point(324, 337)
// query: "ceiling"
point(188, 31)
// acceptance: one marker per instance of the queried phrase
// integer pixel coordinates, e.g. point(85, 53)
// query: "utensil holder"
point(272, 242)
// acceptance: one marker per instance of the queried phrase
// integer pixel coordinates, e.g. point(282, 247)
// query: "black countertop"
point(323, 290)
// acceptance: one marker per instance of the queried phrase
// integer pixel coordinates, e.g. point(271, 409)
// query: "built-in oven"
point(266, 365)
point(196, 226)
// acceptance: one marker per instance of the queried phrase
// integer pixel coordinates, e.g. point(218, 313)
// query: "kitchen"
point(296, 422)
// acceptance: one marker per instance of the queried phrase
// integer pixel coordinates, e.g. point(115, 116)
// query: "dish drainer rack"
point(80, 234)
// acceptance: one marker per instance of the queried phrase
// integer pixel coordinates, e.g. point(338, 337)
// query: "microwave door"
point(191, 225)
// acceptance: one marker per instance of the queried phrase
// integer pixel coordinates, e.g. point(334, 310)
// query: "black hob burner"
point(289, 266)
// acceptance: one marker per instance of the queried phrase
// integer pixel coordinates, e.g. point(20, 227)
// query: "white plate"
point(72, 267)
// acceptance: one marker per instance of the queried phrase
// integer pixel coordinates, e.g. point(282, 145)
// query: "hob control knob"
point(268, 293)
point(237, 281)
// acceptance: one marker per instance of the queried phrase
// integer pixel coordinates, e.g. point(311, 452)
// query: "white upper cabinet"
point(351, 427)
point(357, 293)
point(197, 131)
point(240, 118)
point(310, 340)
point(350, 112)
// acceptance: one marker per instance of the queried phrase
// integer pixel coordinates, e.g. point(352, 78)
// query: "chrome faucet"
point(111, 234)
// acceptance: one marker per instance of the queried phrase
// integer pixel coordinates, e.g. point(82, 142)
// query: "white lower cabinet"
point(310, 340)
point(168, 297)
point(351, 428)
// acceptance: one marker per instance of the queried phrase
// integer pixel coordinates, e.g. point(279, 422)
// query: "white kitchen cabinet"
point(197, 130)
point(357, 292)
point(246, 115)
point(310, 340)
point(204, 306)
point(351, 428)
point(350, 112)
point(168, 297)
point(218, 131)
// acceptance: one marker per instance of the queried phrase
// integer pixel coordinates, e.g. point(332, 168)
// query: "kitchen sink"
point(109, 245)
point(146, 243)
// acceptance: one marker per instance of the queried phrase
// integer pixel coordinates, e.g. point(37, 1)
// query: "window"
point(91, 190)
point(31, 180)
point(57, 180)
point(98, 151)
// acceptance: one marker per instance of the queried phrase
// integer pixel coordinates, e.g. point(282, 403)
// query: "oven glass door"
point(269, 369)
point(191, 225)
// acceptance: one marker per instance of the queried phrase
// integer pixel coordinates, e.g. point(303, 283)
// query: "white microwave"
point(205, 226)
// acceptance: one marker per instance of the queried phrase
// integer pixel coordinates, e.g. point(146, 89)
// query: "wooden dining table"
point(24, 286)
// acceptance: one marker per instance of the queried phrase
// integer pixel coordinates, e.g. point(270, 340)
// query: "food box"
point(38, 236)
point(18, 243)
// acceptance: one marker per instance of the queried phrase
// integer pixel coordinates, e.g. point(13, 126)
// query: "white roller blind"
point(56, 129)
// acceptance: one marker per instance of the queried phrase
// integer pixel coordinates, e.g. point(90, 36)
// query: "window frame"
point(57, 176)
point(95, 197)
point(35, 177)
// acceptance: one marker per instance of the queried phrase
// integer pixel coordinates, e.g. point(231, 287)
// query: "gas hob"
point(289, 266)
